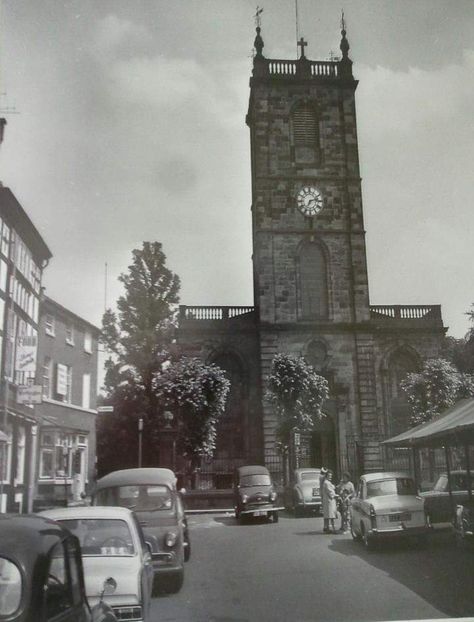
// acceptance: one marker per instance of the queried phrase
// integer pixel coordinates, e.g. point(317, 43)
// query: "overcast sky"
point(131, 127)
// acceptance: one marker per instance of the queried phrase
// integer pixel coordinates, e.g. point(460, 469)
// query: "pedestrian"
point(346, 491)
point(329, 503)
point(322, 477)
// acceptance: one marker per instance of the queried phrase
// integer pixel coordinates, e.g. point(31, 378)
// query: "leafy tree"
point(197, 393)
point(297, 392)
point(437, 387)
point(139, 338)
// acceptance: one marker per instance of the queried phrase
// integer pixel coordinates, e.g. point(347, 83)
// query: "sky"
point(129, 125)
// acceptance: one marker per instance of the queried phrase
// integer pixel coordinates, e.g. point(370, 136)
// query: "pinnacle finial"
point(344, 46)
point(258, 43)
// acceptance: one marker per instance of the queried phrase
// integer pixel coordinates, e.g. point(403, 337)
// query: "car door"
point(355, 507)
point(146, 572)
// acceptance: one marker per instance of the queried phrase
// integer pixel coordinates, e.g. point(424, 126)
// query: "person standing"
point(329, 503)
point(346, 491)
point(322, 477)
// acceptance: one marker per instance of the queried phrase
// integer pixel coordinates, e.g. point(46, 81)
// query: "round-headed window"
point(10, 587)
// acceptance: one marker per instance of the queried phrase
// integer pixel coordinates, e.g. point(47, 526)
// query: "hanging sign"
point(29, 394)
point(26, 354)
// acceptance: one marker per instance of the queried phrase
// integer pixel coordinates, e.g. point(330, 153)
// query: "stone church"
point(311, 293)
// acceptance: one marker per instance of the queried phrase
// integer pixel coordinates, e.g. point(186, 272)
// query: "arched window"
point(400, 364)
point(312, 282)
point(305, 133)
point(316, 355)
point(230, 428)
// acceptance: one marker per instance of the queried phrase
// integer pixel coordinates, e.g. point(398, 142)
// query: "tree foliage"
point(435, 388)
point(297, 392)
point(197, 394)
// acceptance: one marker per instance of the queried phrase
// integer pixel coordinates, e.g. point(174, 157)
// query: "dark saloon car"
point(41, 575)
point(255, 494)
point(439, 506)
point(151, 493)
point(302, 493)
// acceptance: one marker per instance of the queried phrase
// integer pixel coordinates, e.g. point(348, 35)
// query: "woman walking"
point(329, 503)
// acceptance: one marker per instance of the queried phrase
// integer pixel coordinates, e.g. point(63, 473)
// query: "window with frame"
point(88, 342)
point(49, 324)
point(20, 456)
point(86, 391)
point(5, 458)
point(70, 334)
point(5, 239)
point(64, 383)
point(312, 282)
point(3, 275)
point(47, 377)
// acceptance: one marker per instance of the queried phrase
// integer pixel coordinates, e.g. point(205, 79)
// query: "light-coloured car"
point(113, 547)
point(302, 493)
point(440, 506)
point(386, 505)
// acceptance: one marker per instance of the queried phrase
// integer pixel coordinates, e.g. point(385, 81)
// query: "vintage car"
point(41, 574)
point(463, 524)
point(439, 505)
point(255, 494)
point(386, 505)
point(151, 493)
point(113, 547)
point(302, 493)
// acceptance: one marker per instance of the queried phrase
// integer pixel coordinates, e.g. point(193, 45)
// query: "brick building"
point(67, 372)
point(311, 293)
point(23, 256)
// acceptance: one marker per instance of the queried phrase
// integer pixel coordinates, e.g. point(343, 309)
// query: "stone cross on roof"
point(302, 44)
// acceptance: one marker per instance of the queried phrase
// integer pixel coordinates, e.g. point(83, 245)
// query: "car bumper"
point(165, 562)
point(399, 532)
point(260, 510)
point(309, 504)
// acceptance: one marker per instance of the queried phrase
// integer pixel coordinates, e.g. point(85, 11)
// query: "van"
point(152, 494)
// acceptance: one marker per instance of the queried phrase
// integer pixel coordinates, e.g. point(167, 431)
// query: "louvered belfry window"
point(312, 283)
point(305, 126)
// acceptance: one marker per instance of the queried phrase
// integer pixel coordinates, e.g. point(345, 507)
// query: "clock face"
point(309, 201)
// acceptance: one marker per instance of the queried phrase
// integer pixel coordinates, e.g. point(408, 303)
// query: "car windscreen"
point(255, 480)
point(310, 475)
point(395, 486)
point(102, 536)
point(10, 588)
point(140, 498)
point(442, 484)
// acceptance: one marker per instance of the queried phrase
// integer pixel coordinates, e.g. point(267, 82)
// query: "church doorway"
point(318, 448)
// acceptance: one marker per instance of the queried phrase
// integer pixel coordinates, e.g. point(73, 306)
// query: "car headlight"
point(245, 498)
point(273, 496)
point(170, 539)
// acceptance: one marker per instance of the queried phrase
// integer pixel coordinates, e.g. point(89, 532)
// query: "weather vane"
point(258, 19)
point(343, 21)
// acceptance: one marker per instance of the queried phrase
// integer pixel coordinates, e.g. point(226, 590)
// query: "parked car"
point(386, 505)
point(255, 494)
point(463, 523)
point(439, 508)
point(302, 493)
point(113, 547)
point(41, 574)
point(153, 496)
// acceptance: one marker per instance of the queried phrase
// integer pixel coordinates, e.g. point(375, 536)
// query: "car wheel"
point(355, 536)
point(298, 512)
point(366, 539)
point(275, 517)
point(187, 551)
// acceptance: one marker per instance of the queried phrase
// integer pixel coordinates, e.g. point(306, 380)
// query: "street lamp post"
point(140, 434)
point(3, 448)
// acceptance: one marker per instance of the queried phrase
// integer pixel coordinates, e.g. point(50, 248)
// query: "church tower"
point(309, 256)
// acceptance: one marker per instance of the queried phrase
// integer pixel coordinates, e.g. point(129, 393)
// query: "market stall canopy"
point(456, 425)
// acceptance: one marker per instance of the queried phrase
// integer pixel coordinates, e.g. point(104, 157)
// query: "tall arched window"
point(230, 428)
point(305, 133)
point(401, 363)
point(312, 282)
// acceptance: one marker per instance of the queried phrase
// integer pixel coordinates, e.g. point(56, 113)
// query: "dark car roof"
point(253, 470)
point(135, 477)
point(24, 537)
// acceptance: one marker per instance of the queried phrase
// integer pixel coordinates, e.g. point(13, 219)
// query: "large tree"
point(297, 392)
point(435, 388)
point(138, 338)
